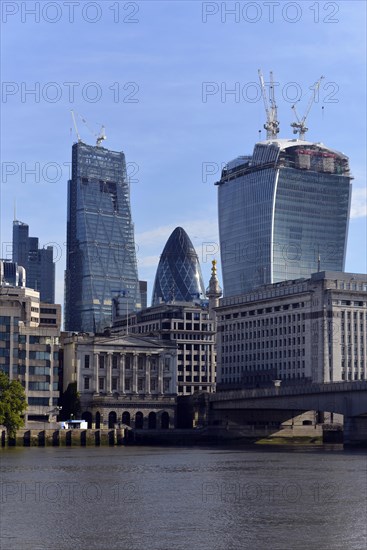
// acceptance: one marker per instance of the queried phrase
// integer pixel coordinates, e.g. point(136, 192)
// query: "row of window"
point(262, 356)
point(129, 362)
point(128, 384)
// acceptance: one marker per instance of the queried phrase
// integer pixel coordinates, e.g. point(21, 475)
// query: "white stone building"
point(127, 380)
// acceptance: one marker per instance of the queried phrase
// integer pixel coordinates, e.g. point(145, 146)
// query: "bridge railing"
point(330, 387)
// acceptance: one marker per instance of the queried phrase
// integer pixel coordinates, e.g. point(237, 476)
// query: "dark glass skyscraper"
point(101, 260)
point(283, 214)
point(178, 277)
point(38, 262)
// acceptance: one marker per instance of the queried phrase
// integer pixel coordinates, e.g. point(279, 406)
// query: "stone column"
point(109, 372)
point(147, 373)
point(135, 373)
point(160, 374)
point(96, 373)
point(122, 373)
point(173, 373)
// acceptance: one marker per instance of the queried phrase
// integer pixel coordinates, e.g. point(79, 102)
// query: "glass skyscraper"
point(101, 260)
point(38, 262)
point(283, 214)
point(178, 277)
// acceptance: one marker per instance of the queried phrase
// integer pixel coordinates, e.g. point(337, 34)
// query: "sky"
point(176, 86)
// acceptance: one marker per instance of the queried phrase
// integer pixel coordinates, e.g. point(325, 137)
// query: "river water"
point(135, 498)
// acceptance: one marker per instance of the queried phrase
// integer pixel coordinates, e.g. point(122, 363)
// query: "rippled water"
point(183, 498)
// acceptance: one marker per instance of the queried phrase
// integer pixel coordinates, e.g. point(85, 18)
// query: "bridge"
point(346, 398)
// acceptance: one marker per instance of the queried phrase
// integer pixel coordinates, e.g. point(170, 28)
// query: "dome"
point(178, 276)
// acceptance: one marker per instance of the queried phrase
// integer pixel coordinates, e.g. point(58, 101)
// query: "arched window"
point(139, 420)
point(152, 421)
point(88, 417)
point(112, 419)
point(126, 418)
point(165, 421)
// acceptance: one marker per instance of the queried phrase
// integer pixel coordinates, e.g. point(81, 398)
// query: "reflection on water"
point(201, 498)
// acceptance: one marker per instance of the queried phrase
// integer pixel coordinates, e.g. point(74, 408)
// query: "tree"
point(70, 402)
point(13, 403)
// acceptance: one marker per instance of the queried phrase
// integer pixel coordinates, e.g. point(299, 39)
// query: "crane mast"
point(99, 137)
point(272, 123)
point(300, 127)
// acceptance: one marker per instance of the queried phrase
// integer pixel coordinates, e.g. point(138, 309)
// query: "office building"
point(29, 349)
point(306, 330)
point(12, 274)
point(178, 277)
point(283, 213)
point(191, 327)
point(38, 262)
point(101, 259)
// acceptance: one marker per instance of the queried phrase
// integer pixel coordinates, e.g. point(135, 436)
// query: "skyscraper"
point(38, 262)
point(178, 277)
point(101, 260)
point(283, 213)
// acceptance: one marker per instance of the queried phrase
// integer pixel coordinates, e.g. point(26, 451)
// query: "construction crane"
point(99, 137)
point(272, 124)
point(300, 127)
point(75, 126)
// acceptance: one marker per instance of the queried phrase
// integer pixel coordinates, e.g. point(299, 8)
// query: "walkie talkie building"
point(283, 214)
point(101, 259)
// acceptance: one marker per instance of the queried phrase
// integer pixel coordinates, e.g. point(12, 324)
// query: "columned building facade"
point(301, 331)
point(120, 376)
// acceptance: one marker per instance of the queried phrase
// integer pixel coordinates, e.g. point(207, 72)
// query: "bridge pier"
point(355, 431)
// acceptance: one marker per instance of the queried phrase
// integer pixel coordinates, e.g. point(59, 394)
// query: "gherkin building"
point(178, 277)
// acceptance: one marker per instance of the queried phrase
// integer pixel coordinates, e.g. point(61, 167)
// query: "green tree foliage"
point(13, 403)
point(70, 401)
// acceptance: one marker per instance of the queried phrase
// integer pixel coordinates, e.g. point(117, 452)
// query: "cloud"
point(359, 203)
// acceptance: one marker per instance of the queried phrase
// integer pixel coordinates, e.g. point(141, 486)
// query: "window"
point(86, 363)
point(101, 383)
point(86, 382)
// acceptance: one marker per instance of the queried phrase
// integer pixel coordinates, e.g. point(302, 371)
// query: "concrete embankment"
point(64, 438)
point(212, 435)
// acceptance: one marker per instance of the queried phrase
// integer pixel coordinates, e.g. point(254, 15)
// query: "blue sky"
point(158, 75)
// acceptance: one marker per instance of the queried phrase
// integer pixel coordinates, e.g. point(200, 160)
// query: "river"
point(155, 498)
